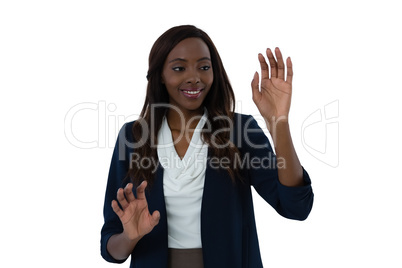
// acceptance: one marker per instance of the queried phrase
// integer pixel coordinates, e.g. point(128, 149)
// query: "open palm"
point(273, 97)
point(134, 213)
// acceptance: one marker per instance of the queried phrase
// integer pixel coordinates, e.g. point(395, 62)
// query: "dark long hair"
point(220, 103)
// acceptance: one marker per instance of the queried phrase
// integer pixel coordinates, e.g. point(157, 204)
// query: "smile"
point(193, 93)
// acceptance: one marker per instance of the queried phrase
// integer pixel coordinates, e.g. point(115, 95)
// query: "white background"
point(55, 55)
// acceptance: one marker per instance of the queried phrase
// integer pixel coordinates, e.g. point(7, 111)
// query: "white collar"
point(192, 162)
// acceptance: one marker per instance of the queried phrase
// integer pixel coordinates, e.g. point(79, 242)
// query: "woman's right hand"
point(134, 213)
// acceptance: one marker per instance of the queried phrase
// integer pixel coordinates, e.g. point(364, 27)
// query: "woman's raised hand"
point(273, 100)
point(134, 213)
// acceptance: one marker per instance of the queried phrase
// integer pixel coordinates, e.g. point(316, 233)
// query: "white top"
point(183, 186)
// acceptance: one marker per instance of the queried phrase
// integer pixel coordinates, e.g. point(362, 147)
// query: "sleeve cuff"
point(105, 254)
point(296, 202)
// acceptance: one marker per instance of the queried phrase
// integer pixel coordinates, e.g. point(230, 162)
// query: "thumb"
point(155, 218)
point(255, 87)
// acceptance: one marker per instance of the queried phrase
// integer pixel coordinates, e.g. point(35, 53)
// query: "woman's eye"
point(178, 69)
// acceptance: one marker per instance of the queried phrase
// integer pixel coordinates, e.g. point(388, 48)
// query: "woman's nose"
point(193, 77)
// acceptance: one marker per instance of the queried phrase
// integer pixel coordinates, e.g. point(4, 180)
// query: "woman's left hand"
point(273, 100)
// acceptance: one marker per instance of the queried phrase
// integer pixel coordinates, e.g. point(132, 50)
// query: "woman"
point(193, 161)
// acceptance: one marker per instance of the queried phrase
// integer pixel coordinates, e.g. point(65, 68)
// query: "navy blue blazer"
point(228, 229)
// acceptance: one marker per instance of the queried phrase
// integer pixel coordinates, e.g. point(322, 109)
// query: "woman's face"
point(187, 74)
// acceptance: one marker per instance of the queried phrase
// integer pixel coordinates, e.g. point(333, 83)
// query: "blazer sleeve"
point(117, 172)
point(290, 202)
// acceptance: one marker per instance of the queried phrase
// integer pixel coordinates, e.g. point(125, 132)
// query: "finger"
point(255, 87)
point(117, 209)
point(281, 64)
point(272, 63)
point(128, 192)
point(155, 218)
point(264, 66)
point(122, 199)
point(141, 190)
point(289, 76)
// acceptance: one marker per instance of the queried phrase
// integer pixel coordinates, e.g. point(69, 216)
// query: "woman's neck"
point(179, 120)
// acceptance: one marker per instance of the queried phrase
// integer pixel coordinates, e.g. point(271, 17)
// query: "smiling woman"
point(200, 159)
point(183, 61)
point(187, 75)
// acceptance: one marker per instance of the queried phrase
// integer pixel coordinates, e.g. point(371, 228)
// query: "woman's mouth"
point(192, 93)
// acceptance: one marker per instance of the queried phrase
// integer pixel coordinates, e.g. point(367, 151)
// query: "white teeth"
point(192, 92)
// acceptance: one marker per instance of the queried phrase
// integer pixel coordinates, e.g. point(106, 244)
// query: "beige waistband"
point(185, 258)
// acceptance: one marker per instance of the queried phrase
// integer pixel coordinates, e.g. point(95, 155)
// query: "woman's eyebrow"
point(181, 59)
point(204, 58)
